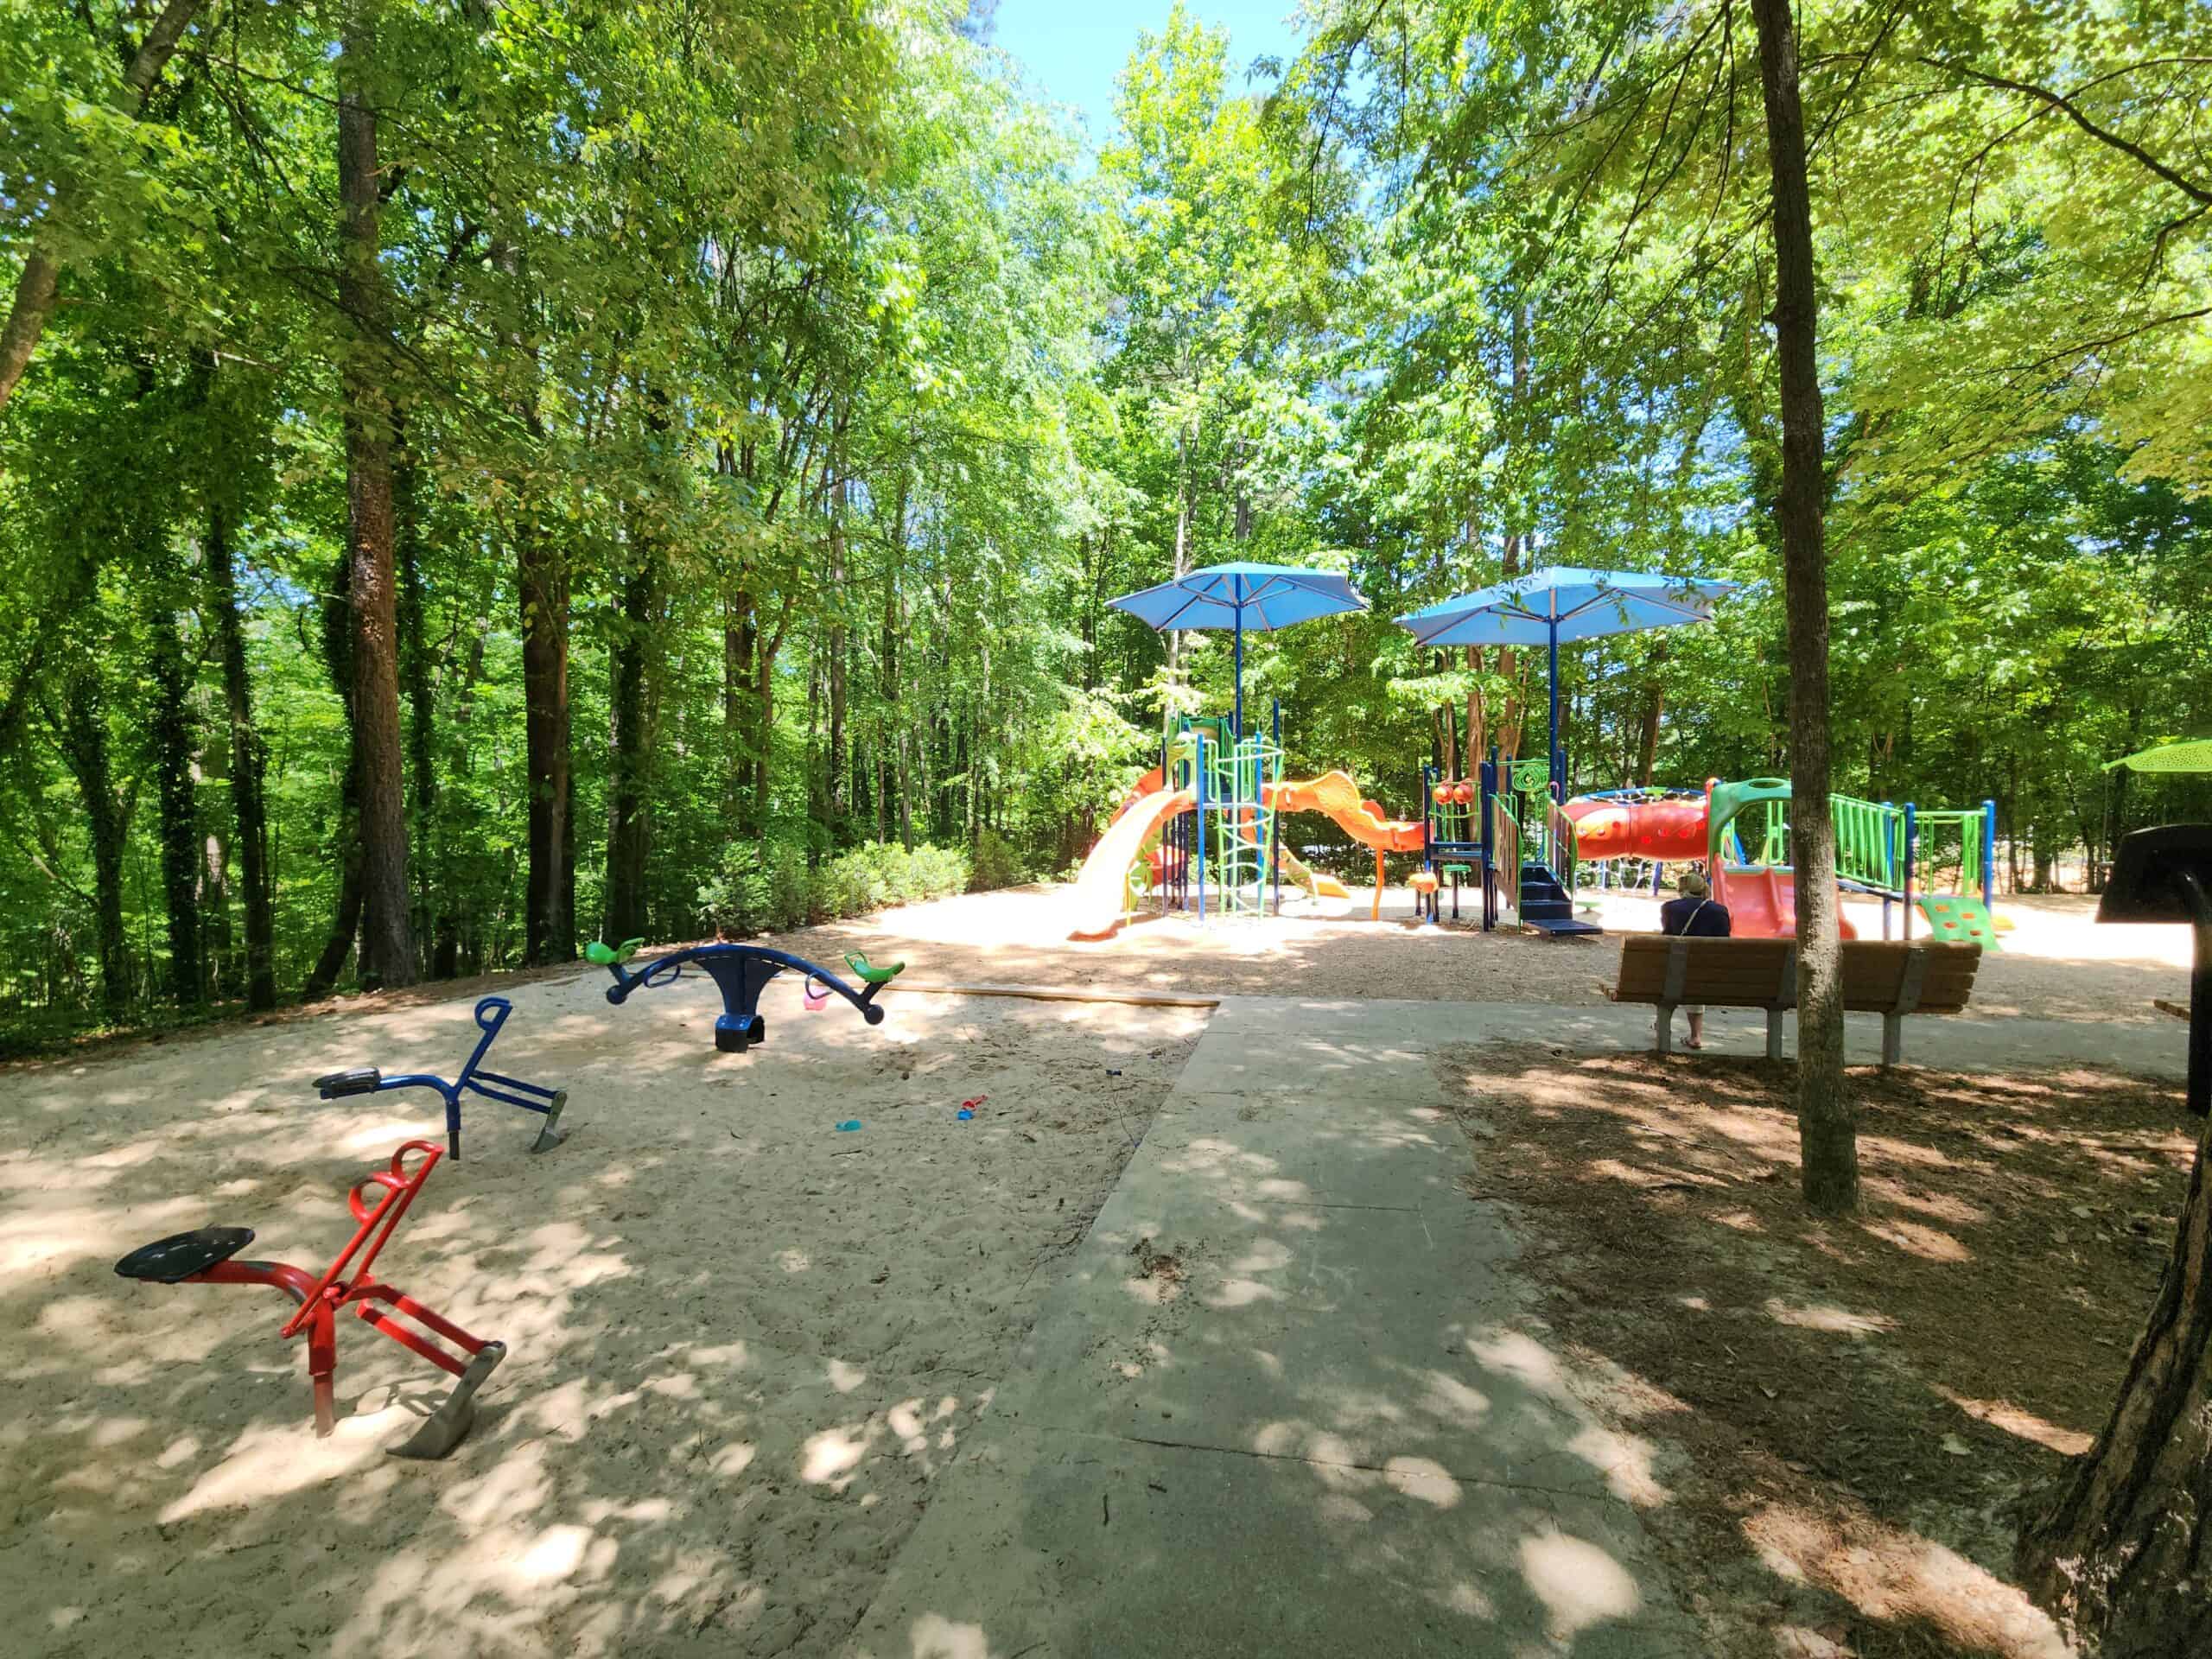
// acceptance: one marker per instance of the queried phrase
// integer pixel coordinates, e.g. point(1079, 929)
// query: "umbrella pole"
point(1551, 757)
point(1240, 664)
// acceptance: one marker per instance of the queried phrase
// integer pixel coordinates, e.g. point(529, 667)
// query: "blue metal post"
point(1553, 756)
point(1236, 593)
point(1275, 820)
point(1488, 791)
point(1889, 863)
point(1911, 852)
point(1201, 740)
point(1988, 853)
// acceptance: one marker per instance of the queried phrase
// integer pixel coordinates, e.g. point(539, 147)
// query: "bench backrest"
point(1879, 975)
point(1736, 973)
point(1888, 976)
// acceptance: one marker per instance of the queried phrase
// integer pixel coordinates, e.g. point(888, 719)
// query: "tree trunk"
point(387, 940)
point(2121, 1554)
point(217, 940)
point(84, 741)
point(839, 803)
point(1647, 748)
point(249, 763)
point(345, 920)
point(550, 901)
point(629, 829)
point(1827, 1135)
point(39, 286)
point(169, 728)
point(894, 628)
point(740, 640)
point(1174, 639)
point(433, 908)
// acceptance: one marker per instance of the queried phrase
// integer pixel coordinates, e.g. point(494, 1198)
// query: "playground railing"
point(1869, 841)
point(1505, 867)
point(1559, 846)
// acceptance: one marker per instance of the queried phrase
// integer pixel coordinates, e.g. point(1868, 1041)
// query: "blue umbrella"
point(1263, 597)
point(1560, 602)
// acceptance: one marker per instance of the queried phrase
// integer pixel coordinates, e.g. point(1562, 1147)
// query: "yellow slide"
point(1321, 886)
point(1101, 887)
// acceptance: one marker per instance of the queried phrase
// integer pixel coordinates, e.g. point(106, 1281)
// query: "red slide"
point(1763, 903)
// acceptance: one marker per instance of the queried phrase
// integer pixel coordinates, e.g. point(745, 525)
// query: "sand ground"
point(2057, 962)
point(742, 1341)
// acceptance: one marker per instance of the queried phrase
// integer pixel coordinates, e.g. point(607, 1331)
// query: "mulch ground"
point(1843, 1418)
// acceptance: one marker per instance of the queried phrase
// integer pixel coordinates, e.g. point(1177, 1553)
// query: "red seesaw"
point(203, 1256)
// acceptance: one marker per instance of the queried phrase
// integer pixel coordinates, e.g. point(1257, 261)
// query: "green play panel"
point(1955, 918)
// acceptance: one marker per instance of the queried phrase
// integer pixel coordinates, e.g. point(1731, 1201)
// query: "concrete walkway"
point(1280, 1404)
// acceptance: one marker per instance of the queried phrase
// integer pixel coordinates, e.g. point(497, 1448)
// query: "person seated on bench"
point(1693, 915)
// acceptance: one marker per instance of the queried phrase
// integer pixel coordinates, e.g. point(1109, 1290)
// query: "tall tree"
point(170, 727)
point(387, 940)
point(249, 765)
point(1828, 1166)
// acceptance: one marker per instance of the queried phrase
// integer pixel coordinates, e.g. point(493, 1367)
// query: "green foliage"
point(994, 863)
point(797, 347)
point(766, 887)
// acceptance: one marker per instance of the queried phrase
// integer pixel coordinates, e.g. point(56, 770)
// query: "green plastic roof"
point(2193, 756)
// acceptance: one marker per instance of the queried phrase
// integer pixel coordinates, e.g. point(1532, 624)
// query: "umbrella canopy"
point(1565, 603)
point(2193, 756)
point(1259, 597)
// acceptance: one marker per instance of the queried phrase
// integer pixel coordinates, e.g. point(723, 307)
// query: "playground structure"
point(203, 1256)
point(1529, 848)
point(742, 972)
point(490, 1014)
point(1201, 829)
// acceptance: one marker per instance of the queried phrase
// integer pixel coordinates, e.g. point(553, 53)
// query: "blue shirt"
point(1696, 918)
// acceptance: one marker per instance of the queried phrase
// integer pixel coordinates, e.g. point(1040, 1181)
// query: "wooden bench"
point(1887, 977)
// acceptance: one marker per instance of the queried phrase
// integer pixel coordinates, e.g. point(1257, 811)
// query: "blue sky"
point(1074, 48)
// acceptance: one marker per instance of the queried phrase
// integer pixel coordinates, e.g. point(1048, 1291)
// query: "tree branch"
point(2065, 105)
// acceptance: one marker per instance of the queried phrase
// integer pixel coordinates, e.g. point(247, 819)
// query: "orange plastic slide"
point(1101, 887)
point(1335, 794)
point(1763, 903)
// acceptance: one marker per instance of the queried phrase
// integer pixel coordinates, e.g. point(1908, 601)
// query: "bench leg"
point(1666, 1032)
point(1892, 1040)
point(1774, 1033)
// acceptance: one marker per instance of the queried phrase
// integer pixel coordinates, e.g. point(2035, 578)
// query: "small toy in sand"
point(968, 1107)
point(742, 972)
point(848, 1125)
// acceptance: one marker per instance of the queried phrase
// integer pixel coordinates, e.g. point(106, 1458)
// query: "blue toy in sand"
point(490, 1014)
point(742, 971)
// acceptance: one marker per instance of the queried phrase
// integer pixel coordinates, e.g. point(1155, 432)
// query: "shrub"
point(762, 887)
point(766, 886)
point(996, 864)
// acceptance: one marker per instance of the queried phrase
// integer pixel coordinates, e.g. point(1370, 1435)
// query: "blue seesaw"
point(491, 1013)
point(742, 972)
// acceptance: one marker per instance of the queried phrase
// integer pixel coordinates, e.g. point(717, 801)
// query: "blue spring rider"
point(491, 1013)
point(742, 971)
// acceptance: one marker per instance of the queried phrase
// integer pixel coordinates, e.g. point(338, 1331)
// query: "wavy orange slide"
point(1336, 794)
